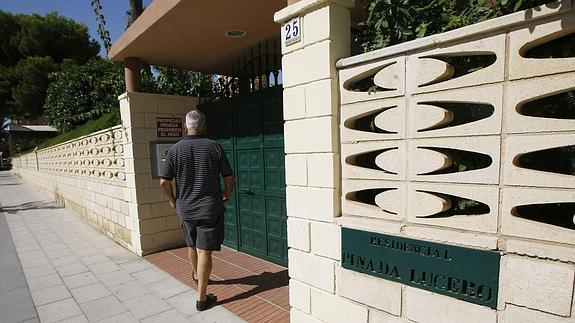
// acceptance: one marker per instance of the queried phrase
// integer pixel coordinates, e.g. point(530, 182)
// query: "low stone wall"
point(88, 176)
point(106, 177)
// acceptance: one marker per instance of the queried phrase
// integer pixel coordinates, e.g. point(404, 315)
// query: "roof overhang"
point(191, 34)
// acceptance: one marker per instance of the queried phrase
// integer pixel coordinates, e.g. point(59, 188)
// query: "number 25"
point(292, 30)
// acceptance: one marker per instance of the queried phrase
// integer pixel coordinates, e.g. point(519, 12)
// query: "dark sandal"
point(207, 304)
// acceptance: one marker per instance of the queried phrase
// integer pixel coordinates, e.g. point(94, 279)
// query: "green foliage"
point(181, 82)
point(105, 121)
point(31, 47)
point(81, 93)
point(391, 22)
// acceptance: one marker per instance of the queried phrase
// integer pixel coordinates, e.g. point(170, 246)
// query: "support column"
point(132, 74)
point(312, 146)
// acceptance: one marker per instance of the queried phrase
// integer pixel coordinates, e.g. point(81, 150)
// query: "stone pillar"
point(155, 224)
point(311, 112)
point(132, 74)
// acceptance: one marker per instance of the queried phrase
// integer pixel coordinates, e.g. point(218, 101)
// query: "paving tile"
point(147, 305)
point(115, 278)
point(137, 265)
point(185, 303)
point(103, 267)
point(15, 296)
point(50, 294)
point(18, 312)
point(65, 260)
point(58, 311)
point(76, 319)
point(126, 317)
point(13, 281)
point(39, 271)
point(102, 308)
point(150, 276)
point(89, 293)
point(171, 316)
point(78, 280)
point(168, 287)
point(44, 281)
point(71, 269)
point(129, 290)
point(94, 258)
point(216, 314)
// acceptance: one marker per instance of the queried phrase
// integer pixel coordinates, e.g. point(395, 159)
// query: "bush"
point(80, 93)
point(391, 22)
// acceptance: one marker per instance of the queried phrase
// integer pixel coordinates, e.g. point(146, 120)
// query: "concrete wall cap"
point(305, 6)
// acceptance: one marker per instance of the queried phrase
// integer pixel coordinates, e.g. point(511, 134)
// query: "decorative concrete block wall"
point(106, 177)
point(404, 146)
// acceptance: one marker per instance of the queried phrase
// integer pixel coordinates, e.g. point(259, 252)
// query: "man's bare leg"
point(193, 256)
point(204, 270)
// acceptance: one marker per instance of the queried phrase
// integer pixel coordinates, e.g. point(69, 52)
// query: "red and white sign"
point(169, 127)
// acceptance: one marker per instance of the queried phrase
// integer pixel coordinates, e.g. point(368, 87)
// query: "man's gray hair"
point(195, 119)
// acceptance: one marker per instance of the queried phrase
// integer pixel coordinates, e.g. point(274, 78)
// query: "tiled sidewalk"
point(76, 274)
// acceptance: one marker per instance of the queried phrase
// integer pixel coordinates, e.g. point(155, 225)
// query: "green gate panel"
point(252, 223)
point(277, 229)
point(275, 170)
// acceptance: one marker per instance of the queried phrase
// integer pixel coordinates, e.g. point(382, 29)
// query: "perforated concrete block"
point(423, 306)
point(360, 197)
point(422, 154)
point(300, 296)
point(490, 74)
point(390, 74)
point(321, 204)
point(383, 160)
point(323, 274)
point(331, 308)
point(513, 314)
point(537, 284)
point(298, 234)
point(537, 33)
point(294, 102)
point(296, 169)
point(425, 201)
point(371, 291)
point(388, 120)
point(311, 135)
point(326, 240)
point(428, 119)
point(518, 221)
point(323, 170)
point(522, 92)
point(449, 236)
point(540, 249)
point(516, 146)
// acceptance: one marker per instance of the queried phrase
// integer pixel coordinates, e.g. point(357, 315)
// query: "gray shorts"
point(206, 234)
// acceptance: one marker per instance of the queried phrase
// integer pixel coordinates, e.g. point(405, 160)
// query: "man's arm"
point(229, 186)
point(168, 191)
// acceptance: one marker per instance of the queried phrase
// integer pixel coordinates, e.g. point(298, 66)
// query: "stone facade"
point(106, 177)
point(408, 151)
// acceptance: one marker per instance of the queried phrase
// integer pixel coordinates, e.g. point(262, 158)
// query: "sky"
point(80, 11)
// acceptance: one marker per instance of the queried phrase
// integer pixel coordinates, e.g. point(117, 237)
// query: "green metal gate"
point(250, 129)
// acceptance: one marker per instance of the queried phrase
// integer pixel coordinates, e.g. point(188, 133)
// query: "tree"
point(80, 93)
point(31, 47)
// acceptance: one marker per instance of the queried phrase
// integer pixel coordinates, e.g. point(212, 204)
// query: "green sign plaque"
point(468, 274)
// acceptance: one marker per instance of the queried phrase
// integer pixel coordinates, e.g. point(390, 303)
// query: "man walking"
point(196, 163)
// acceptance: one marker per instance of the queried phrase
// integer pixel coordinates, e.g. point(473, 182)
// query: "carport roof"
point(191, 34)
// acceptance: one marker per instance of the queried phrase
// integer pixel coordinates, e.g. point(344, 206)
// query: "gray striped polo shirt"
point(197, 163)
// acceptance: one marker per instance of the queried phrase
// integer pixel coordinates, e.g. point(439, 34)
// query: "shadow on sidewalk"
point(264, 282)
point(36, 205)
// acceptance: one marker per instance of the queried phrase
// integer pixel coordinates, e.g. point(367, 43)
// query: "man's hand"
point(173, 204)
point(226, 197)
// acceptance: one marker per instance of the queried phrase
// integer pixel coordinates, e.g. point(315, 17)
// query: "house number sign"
point(468, 274)
point(292, 31)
